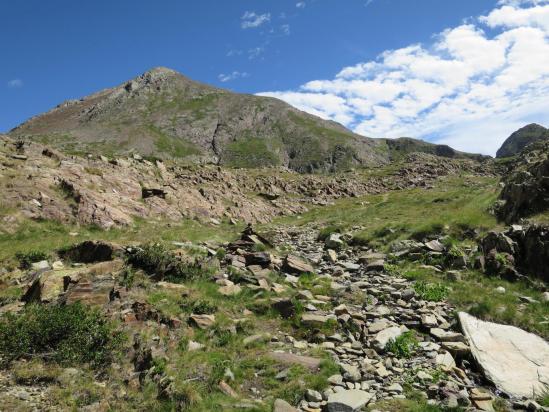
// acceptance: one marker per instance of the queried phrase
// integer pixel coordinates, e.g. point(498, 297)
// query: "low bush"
point(199, 307)
point(26, 259)
point(392, 270)
point(403, 346)
point(431, 291)
point(71, 334)
point(156, 260)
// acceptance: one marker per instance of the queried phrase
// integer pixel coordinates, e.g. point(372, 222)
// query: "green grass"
point(157, 260)
point(432, 292)
point(69, 335)
point(476, 294)
point(250, 152)
point(172, 146)
point(48, 236)
point(455, 204)
point(403, 346)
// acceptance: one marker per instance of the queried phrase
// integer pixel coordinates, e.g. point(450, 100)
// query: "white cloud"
point(255, 52)
point(252, 20)
point(300, 4)
point(285, 29)
point(470, 88)
point(232, 76)
point(15, 83)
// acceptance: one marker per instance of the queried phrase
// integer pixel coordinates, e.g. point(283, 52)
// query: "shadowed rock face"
point(166, 115)
point(515, 143)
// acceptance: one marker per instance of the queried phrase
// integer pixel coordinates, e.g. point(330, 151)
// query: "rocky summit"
point(167, 245)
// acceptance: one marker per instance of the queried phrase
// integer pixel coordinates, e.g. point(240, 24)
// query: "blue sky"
point(384, 68)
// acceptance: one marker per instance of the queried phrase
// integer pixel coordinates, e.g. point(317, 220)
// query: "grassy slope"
point(456, 202)
point(47, 236)
point(454, 205)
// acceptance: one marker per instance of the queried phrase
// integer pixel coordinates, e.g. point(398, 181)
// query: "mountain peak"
point(523, 137)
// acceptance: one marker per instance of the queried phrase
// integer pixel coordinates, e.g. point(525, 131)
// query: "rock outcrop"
point(105, 192)
point(517, 362)
point(518, 251)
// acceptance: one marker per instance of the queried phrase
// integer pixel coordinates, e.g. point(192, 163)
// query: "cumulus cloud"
point(232, 76)
point(473, 86)
point(301, 4)
point(15, 83)
point(252, 20)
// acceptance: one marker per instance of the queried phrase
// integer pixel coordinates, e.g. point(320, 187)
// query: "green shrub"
point(70, 334)
point(327, 231)
point(199, 307)
point(26, 259)
point(431, 291)
point(544, 399)
point(392, 270)
point(259, 247)
point(220, 254)
point(403, 346)
point(502, 259)
point(156, 260)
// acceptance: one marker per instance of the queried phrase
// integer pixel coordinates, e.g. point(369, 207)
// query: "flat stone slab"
point(286, 358)
point(348, 400)
point(517, 362)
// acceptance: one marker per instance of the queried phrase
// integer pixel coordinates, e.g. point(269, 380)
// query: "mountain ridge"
point(164, 114)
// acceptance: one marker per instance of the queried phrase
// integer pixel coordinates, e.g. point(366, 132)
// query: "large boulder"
point(348, 400)
point(534, 253)
point(295, 265)
point(515, 361)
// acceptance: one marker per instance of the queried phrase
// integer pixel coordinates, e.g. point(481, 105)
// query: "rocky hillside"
point(168, 116)
point(525, 191)
point(520, 139)
point(38, 182)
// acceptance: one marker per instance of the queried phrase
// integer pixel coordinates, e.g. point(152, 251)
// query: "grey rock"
point(348, 400)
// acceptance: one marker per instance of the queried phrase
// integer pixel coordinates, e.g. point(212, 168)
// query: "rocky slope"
point(41, 183)
point(520, 139)
point(386, 337)
point(166, 115)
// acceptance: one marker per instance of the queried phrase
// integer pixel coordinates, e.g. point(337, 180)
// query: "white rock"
point(42, 265)
point(517, 362)
point(334, 241)
point(381, 338)
point(500, 289)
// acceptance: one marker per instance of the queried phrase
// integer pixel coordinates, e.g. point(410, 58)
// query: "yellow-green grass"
point(48, 236)
point(476, 294)
point(453, 205)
